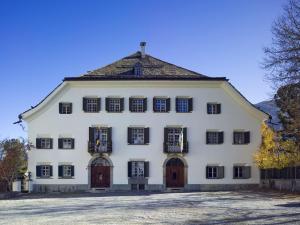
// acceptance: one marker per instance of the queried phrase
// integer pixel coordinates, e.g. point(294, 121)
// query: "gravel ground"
point(165, 208)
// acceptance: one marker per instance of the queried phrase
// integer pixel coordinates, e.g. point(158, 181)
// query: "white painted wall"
point(236, 114)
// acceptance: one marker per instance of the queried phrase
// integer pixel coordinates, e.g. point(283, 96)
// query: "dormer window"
point(138, 69)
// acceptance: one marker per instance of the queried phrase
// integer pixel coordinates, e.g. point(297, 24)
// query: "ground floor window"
point(241, 172)
point(44, 171)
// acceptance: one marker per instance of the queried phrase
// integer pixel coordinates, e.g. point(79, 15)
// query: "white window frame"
point(212, 172)
point(45, 170)
point(45, 143)
point(138, 169)
point(160, 104)
point(238, 137)
point(138, 135)
point(239, 170)
point(213, 137)
point(92, 105)
point(67, 171)
point(114, 105)
point(67, 143)
point(182, 105)
point(137, 105)
point(212, 108)
point(66, 108)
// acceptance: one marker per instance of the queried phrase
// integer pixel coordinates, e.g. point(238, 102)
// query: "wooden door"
point(100, 176)
point(175, 176)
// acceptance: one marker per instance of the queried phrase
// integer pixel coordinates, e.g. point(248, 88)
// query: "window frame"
point(162, 107)
point(92, 105)
point(66, 168)
point(214, 174)
point(65, 108)
point(180, 106)
point(45, 168)
point(137, 105)
point(137, 132)
point(46, 143)
point(135, 166)
point(114, 105)
point(212, 108)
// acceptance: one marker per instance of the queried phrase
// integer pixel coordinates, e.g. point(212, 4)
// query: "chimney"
point(143, 44)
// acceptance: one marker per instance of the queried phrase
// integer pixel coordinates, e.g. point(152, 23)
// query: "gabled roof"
point(150, 68)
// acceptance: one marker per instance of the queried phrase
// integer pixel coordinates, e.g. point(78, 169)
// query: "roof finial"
point(143, 44)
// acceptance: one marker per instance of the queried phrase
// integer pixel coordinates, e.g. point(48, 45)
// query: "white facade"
point(236, 114)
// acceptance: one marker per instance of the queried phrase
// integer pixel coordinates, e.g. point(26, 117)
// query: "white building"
point(142, 123)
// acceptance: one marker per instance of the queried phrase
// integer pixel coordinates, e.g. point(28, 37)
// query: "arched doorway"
point(175, 173)
point(100, 173)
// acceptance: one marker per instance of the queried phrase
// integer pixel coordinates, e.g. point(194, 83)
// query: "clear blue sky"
point(43, 41)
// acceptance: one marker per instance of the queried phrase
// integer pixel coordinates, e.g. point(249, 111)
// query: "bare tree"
point(282, 59)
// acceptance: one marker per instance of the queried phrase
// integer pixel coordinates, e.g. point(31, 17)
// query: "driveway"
point(157, 208)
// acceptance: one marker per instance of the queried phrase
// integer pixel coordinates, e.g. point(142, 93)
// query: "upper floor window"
point(214, 137)
point(184, 104)
point(161, 104)
point(175, 139)
point(65, 107)
point(137, 104)
point(213, 108)
point(44, 171)
point(44, 143)
point(100, 139)
point(138, 135)
point(66, 171)
point(138, 169)
point(241, 137)
point(91, 104)
point(66, 143)
point(114, 104)
point(138, 69)
point(241, 172)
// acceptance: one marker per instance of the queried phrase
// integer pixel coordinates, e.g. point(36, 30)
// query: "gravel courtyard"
point(167, 208)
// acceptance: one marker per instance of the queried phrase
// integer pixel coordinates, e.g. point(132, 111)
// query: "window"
point(138, 69)
point(65, 108)
point(161, 104)
point(138, 135)
point(184, 105)
point(175, 136)
point(44, 143)
point(215, 172)
point(100, 139)
point(44, 171)
point(137, 169)
point(213, 108)
point(114, 104)
point(66, 143)
point(137, 104)
point(175, 139)
point(241, 137)
point(214, 137)
point(91, 104)
point(241, 172)
point(66, 171)
point(211, 172)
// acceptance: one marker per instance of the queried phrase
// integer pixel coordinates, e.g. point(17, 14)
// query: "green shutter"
point(51, 171)
point(51, 143)
point(72, 143)
point(190, 102)
point(107, 100)
point(218, 108)
point(144, 104)
point(168, 102)
point(153, 103)
point(60, 171)
point(247, 137)
point(60, 108)
point(121, 104)
point(146, 169)
point(98, 104)
point(129, 135)
point(220, 172)
point(146, 135)
point(60, 143)
point(38, 143)
point(220, 137)
point(129, 169)
point(130, 104)
point(72, 171)
point(84, 104)
point(38, 171)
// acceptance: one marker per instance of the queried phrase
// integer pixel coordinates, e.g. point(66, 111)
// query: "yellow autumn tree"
point(275, 152)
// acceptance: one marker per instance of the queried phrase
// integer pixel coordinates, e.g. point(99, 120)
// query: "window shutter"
point(190, 104)
point(38, 171)
point(38, 143)
point(233, 173)
point(146, 135)
point(51, 171)
point(218, 108)
point(247, 137)
point(207, 173)
point(51, 143)
point(91, 145)
point(154, 103)
point(84, 104)
point(72, 171)
point(72, 143)
point(60, 171)
point(60, 108)
point(184, 130)
point(166, 139)
point(207, 139)
point(60, 143)
point(144, 104)
point(121, 104)
point(220, 137)
point(234, 134)
point(109, 139)
point(146, 169)
point(168, 102)
point(107, 104)
point(129, 169)
point(71, 108)
point(207, 108)
point(220, 172)
point(129, 135)
point(247, 172)
point(130, 104)
point(176, 105)
point(98, 104)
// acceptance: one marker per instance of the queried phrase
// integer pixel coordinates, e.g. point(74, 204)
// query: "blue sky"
point(41, 42)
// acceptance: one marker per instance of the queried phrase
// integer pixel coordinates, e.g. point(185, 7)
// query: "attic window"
point(138, 69)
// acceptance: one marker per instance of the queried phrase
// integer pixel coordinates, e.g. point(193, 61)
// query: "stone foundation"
point(281, 184)
point(148, 187)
